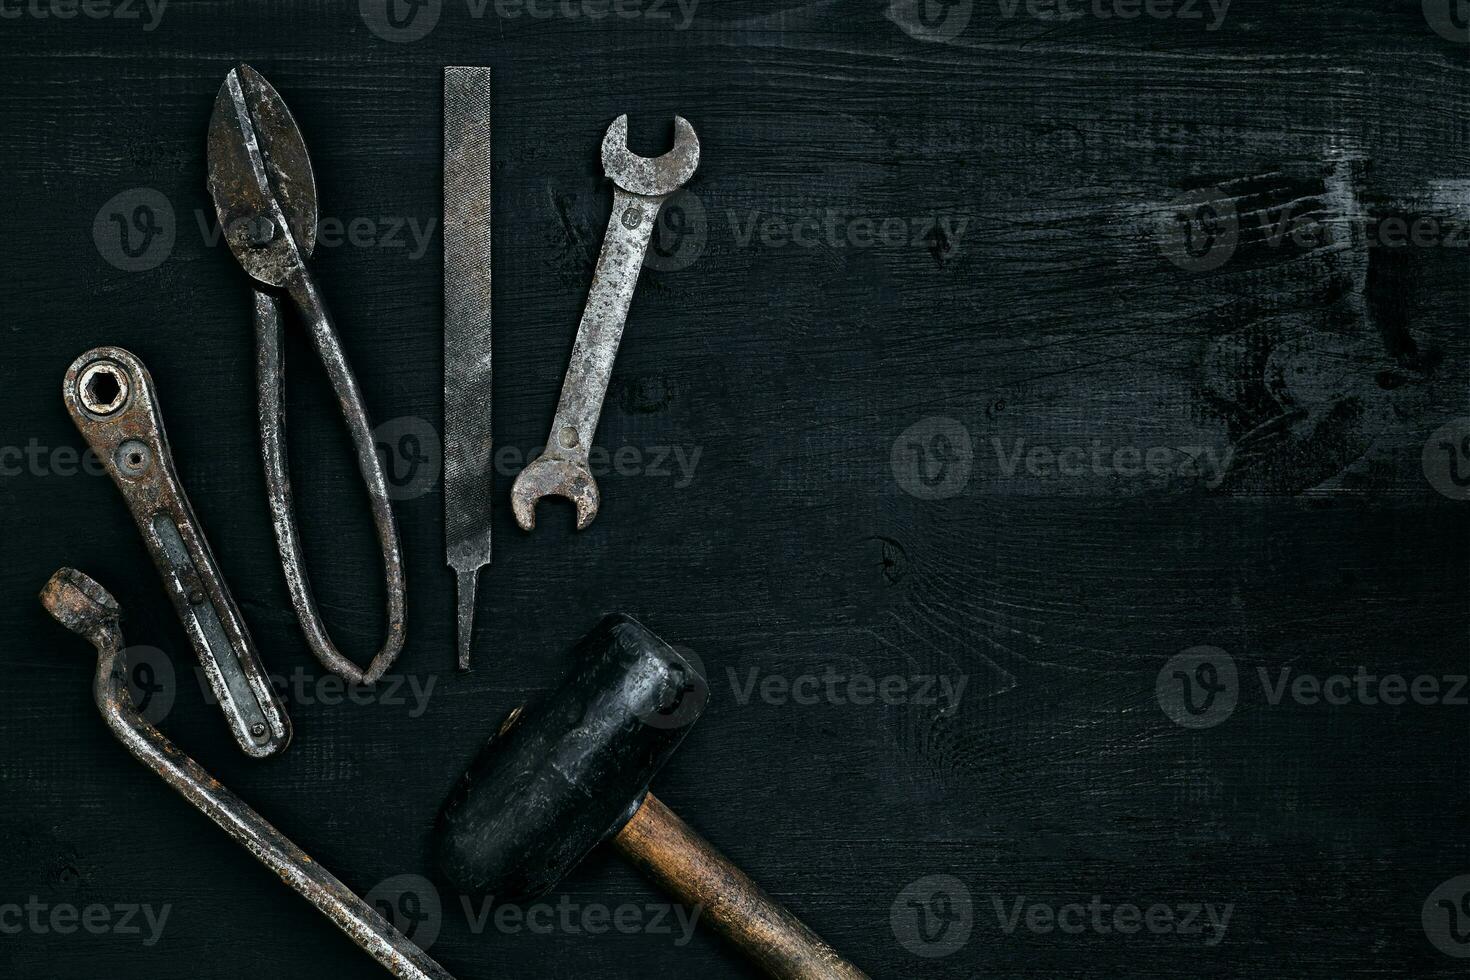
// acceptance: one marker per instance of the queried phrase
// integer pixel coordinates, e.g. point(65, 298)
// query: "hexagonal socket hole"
point(103, 388)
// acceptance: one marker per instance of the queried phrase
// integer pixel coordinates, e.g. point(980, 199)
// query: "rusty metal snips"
point(260, 178)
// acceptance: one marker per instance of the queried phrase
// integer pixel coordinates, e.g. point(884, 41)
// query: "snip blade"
point(468, 480)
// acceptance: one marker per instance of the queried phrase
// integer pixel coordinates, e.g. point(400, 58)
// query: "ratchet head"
point(554, 476)
point(658, 177)
point(260, 178)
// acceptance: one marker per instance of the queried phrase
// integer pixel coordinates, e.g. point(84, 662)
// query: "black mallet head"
point(567, 772)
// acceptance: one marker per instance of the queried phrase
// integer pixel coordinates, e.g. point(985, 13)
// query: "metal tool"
point(86, 608)
point(563, 776)
point(640, 187)
point(468, 477)
point(265, 195)
point(111, 398)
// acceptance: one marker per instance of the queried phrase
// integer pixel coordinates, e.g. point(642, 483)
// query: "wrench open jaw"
point(555, 476)
point(651, 177)
point(640, 187)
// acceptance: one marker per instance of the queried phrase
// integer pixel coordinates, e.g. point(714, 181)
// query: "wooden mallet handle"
point(665, 849)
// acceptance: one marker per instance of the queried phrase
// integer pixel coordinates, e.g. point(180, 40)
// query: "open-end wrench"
point(86, 608)
point(640, 187)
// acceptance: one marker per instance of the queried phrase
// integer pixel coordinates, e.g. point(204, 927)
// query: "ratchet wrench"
point(640, 187)
point(261, 180)
point(110, 396)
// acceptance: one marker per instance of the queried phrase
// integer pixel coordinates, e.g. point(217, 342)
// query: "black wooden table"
point(1040, 421)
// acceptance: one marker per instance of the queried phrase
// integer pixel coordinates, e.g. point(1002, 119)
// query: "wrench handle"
point(111, 398)
point(629, 231)
point(84, 607)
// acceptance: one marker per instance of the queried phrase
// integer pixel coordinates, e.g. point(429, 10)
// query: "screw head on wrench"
point(640, 187)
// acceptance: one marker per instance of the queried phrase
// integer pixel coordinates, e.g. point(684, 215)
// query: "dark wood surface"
point(1049, 312)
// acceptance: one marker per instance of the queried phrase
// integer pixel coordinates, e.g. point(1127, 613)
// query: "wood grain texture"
point(804, 540)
